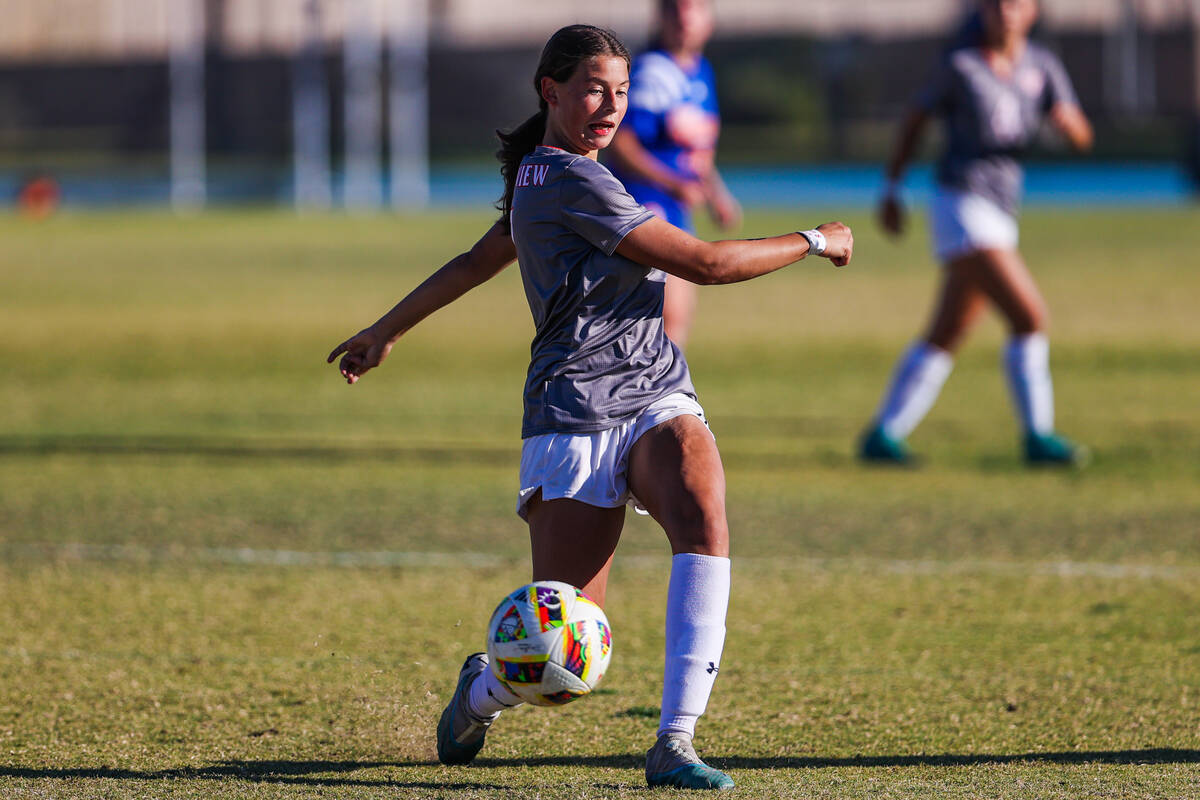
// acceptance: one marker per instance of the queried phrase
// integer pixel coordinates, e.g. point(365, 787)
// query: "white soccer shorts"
point(593, 467)
point(962, 222)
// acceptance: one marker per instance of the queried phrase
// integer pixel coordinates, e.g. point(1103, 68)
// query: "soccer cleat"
point(1052, 450)
point(459, 732)
point(673, 762)
point(877, 447)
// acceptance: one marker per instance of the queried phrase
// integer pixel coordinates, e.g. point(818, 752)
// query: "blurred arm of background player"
point(891, 211)
point(707, 190)
point(370, 346)
point(1072, 124)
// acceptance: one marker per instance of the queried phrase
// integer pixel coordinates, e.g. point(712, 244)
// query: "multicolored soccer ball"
point(549, 642)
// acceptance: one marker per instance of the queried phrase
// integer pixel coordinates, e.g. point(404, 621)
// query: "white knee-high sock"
point(1027, 364)
point(915, 385)
point(697, 599)
point(489, 696)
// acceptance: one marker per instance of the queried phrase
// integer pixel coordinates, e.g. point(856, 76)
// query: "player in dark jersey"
point(665, 152)
point(610, 413)
point(992, 96)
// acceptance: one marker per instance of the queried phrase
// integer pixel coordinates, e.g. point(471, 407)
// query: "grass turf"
point(172, 440)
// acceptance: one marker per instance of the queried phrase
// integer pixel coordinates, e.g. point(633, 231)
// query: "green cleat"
point(876, 447)
point(673, 762)
point(459, 732)
point(1052, 450)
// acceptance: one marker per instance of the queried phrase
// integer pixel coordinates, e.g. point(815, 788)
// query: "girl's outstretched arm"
point(367, 348)
point(658, 243)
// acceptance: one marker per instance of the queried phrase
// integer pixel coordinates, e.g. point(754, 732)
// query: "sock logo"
point(712, 668)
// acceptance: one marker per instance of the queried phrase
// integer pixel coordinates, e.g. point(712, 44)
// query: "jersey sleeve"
point(937, 92)
point(1058, 84)
point(596, 206)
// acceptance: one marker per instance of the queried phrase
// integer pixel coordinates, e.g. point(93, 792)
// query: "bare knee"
point(679, 306)
point(1028, 317)
point(947, 339)
point(694, 525)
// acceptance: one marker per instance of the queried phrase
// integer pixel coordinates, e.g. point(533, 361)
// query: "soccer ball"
point(549, 642)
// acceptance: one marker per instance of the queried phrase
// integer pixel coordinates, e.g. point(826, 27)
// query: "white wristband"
point(816, 241)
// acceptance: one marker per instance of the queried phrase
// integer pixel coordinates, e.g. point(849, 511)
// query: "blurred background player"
point(665, 152)
point(992, 96)
point(601, 431)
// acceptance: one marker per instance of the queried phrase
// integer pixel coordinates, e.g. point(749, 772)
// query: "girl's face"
point(687, 25)
point(1007, 19)
point(585, 110)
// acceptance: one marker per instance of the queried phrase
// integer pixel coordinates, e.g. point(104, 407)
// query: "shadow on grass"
point(216, 447)
point(1146, 756)
point(303, 773)
point(316, 773)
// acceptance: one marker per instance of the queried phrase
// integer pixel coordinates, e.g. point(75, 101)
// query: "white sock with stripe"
point(697, 600)
point(1027, 364)
point(488, 696)
point(915, 386)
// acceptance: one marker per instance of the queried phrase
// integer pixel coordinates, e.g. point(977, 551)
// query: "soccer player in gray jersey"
point(610, 413)
point(992, 96)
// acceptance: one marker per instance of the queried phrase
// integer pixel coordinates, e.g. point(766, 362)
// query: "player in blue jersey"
point(992, 96)
point(664, 154)
point(611, 416)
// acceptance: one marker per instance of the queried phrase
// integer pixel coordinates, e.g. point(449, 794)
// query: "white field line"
point(360, 559)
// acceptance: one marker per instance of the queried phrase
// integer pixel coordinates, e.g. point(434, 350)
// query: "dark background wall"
point(784, 100)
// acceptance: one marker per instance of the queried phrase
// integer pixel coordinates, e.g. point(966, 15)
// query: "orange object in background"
point(39, 196)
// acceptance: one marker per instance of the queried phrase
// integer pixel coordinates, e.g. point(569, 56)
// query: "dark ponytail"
point(514, 146)
point(567, 48)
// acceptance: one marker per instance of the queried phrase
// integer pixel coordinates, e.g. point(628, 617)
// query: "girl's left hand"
point(362, 352)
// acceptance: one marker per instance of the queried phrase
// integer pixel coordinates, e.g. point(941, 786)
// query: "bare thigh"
point(574, 542)
point(960, 302)
point(675, 471)
point(1007, 282)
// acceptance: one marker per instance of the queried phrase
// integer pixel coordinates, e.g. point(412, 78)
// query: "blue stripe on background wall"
point(850, 185)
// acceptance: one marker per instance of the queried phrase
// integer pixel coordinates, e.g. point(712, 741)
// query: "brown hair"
point(567, 48)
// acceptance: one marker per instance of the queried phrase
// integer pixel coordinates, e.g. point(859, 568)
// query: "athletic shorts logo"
point(712, 668)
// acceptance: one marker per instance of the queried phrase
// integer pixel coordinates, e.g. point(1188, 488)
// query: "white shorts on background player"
point(962, 222)
point(593, 467)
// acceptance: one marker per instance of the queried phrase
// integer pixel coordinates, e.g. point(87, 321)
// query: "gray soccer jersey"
point(599, 355)
point(990, 120)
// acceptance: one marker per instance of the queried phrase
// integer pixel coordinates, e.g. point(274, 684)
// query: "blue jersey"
point(673, 112)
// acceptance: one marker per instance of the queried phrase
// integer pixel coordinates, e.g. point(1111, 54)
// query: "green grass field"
point(227, 574)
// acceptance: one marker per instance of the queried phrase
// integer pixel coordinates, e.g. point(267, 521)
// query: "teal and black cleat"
point(1052, 450)
point(876, 447)
point(459, 732)
point(673, 762)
